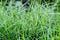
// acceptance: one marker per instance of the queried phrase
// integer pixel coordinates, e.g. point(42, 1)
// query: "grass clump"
point(39, 23)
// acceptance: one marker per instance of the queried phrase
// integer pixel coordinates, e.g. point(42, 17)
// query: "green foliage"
point(39, 23)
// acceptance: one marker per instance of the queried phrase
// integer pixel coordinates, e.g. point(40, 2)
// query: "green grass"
point(39, 23)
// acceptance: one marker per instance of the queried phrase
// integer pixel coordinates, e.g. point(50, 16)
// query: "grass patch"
point(39, 23)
